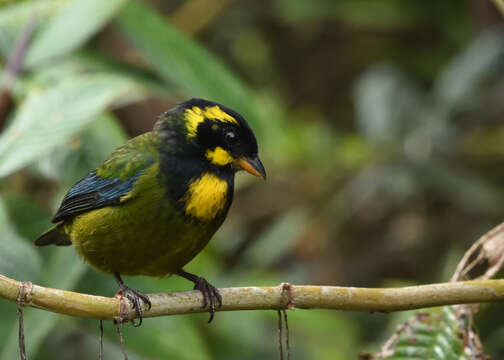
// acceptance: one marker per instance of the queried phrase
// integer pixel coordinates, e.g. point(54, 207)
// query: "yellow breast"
point(206, 197)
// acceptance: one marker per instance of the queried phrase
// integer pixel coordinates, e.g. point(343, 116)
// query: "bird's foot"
point(135, 297)
point(211, 295)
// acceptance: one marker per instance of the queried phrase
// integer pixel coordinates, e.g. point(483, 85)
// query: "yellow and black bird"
point(156, 201)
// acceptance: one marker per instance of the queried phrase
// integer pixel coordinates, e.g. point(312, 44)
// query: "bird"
point(154, 203)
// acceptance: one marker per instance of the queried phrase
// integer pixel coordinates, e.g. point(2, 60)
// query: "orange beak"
point(252, 166)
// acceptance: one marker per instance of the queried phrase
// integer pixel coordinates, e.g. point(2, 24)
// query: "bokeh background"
point(380, 124)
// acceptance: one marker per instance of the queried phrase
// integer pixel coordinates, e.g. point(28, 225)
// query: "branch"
point(14, 64)
point(500, 5)
point(260, 298)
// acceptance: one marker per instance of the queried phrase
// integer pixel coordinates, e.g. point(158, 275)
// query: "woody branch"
point(260, 298)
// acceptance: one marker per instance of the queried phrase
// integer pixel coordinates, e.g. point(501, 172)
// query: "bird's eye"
point(230, 138)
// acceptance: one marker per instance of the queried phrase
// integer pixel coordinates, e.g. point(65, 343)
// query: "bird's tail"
point(54, 236)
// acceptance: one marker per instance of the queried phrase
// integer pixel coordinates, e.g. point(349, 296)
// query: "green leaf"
point(47, 118)
point(437, 334)
point(74, 23)
point(14, 17)
point(72, 160)
point(28, 216)
point(96, 61)
point(182, 61)
point(18, 258)
point(459, 81)
point(89, 62)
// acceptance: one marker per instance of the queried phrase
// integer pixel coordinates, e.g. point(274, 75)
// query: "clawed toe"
point(209, 292)
point(135, 297)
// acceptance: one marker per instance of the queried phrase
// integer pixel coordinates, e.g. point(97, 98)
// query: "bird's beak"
point(253, 166)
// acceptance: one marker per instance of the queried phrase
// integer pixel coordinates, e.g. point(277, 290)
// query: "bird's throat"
point(206, 197)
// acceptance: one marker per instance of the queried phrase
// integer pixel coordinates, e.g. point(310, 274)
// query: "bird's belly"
point(138, 239)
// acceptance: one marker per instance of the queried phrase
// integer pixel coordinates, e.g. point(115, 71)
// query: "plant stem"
point(262, 298)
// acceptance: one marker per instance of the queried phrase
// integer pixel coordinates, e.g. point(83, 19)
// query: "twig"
point(100, 340)
point(121, 340)
point(280, 345)
point(14, 64)
point(387, 348)
point(500, 5)
point(286, 290)
point(21, 341)
point(287, 345)
point(24, 294)
point(262, 298)
point(488, 247)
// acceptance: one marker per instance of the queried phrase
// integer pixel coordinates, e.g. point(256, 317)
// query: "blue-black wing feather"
point(93, 192)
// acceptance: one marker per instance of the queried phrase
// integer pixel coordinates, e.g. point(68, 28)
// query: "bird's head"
point(214, 132)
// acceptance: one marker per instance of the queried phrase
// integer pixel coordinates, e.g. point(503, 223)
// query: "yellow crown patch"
point(197, 115)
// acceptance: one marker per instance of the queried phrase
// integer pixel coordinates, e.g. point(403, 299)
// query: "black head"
point(219, 134)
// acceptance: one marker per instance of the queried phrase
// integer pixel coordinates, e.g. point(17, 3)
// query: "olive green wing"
point(112, 180)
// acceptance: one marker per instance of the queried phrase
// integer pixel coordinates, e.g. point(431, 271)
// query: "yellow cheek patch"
point(219, 156)
point(197, 115)
point(206, 197)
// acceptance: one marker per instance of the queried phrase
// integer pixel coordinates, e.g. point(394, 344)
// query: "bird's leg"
point(134, 296)
point(210, 293)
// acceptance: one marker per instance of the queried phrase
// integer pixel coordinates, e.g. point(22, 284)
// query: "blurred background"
point(380, 124)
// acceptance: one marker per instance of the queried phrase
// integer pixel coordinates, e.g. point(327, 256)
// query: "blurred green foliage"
point(380, 124)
